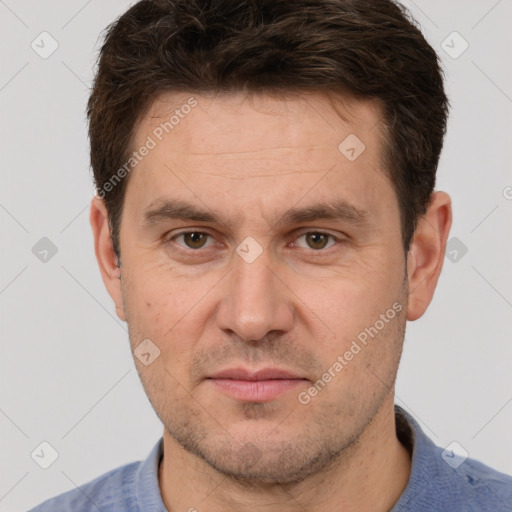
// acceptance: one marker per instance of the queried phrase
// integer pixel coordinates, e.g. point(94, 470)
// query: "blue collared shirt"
point(440, 481)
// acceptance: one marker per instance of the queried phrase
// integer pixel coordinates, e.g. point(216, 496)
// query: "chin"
point(255, 459)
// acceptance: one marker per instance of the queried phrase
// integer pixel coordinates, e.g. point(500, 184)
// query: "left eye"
point(193, 239)
point(317, 240)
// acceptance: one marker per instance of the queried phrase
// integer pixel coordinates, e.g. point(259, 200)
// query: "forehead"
point(249, 149)
point(301, 119)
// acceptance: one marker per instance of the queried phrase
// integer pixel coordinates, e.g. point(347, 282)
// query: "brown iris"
point(194, 239)
point(318, 240)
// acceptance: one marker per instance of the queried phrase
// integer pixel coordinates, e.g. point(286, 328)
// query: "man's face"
point(296, 295)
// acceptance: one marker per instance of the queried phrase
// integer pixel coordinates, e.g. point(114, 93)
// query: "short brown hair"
point(365, 48)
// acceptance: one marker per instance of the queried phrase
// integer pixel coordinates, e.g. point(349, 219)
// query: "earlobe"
point(105, 254)
point(426, 254)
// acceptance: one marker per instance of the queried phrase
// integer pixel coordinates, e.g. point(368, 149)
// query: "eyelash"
point(168, 241)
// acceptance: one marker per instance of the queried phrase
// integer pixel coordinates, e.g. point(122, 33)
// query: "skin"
point(298, 306)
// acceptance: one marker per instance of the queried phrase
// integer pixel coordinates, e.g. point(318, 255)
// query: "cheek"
point(152, 306)
point(350, 307)
point(171, 311)
point(155, 294)
point(349, 298)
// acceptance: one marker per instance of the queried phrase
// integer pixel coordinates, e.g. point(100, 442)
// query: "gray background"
point(67, 376)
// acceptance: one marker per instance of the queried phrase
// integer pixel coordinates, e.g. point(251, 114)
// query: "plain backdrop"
point(67, 375)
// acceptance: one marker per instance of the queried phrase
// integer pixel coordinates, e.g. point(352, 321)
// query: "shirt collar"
point(424, 465)
point(149, 498)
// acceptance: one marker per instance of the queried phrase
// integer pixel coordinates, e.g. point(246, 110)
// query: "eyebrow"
point(167, 209)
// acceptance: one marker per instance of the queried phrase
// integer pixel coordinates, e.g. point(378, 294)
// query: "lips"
point(257, 385)
point(263, 374)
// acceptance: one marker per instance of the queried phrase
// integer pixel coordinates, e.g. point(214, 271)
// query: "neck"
point(371, 476)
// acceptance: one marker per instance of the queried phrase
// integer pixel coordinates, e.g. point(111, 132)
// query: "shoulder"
point(443, 481)
point(478, 486)
point(108, 493)
point(470, 487)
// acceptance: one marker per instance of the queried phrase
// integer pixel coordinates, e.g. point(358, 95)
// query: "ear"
point(426, 254)
point(104, 249)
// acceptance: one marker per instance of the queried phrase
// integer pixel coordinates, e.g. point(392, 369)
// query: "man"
point(266, 223)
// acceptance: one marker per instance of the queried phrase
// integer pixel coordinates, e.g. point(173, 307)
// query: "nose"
point(255, 300)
